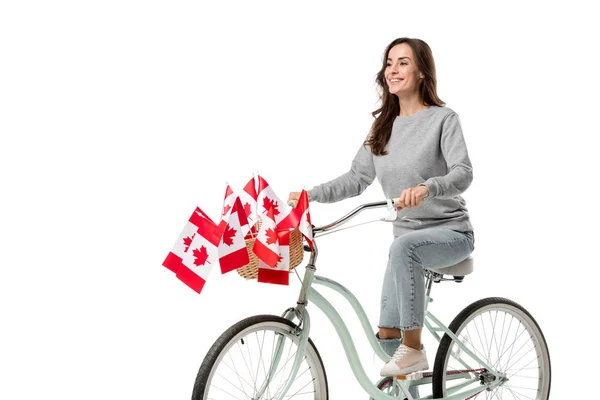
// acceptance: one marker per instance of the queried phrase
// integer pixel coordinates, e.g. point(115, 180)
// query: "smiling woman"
point(407, 82)
point(417, 152)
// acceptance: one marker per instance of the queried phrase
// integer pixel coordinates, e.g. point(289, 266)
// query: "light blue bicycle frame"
point(432, 324)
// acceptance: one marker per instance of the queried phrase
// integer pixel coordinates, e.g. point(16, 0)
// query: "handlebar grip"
point(396, 202)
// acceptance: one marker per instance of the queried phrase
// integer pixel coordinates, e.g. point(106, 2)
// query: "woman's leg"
point(409, 255)
point(404, 286)
point(389, 315)
point(389, 336)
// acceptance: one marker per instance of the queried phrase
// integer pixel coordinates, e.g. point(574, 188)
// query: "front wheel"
point(255, 356)
point(507, 338)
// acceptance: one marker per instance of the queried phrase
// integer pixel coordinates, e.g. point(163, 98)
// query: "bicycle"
point(493, 346)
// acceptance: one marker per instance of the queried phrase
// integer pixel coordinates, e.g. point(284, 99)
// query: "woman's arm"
point(352, 183)
point(460, 170)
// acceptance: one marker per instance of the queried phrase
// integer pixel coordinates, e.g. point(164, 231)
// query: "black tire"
point(270, 325)
point(536, 373)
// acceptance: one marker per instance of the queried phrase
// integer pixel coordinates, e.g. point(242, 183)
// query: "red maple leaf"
point(268, 203)
point(226, 208)
point(201, 256)
point(228, 235)
point(278, 261)
point(187, 241)
point(308, 217)
point(271, 236)
point(247, 209)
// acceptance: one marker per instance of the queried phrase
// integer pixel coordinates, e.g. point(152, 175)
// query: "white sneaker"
point(405, 360)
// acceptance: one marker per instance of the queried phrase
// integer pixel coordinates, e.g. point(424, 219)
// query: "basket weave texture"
point(250, 271)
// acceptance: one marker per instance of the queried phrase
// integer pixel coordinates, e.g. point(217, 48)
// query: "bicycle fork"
point(302, 335)
point(301, 331)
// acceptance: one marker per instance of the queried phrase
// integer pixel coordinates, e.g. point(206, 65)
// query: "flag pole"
point(257, 216)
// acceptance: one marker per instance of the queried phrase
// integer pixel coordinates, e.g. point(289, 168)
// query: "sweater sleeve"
point(352, 183)
point(459, 169)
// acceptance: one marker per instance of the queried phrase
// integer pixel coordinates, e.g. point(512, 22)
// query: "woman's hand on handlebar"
point(413, 197)
point(294, 196)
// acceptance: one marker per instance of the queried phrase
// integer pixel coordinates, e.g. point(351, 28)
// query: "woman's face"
point(402, 74)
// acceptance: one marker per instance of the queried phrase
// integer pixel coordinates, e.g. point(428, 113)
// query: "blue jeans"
point(403, 292)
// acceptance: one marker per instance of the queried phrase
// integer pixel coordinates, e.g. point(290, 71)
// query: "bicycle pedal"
point(410, 377)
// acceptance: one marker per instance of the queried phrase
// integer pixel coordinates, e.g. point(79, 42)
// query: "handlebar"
point(392, 205)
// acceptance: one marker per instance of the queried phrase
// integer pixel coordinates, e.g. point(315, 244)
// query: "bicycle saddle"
point(463, 268)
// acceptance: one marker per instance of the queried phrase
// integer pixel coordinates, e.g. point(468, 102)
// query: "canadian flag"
point(280, 273)
point(291, 221)
point(232, 247)
point(266, 245)
point(175, 256)
point(305, 225)
point(201, 255)
point(248, 198)
point(268, 199)
point(227, 205)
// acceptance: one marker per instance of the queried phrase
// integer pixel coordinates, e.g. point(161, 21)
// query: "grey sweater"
point(425, 148)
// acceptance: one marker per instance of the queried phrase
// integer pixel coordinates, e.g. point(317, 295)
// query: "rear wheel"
point(238, 363)
point(504, 335)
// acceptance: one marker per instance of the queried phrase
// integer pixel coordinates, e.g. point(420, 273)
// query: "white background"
point(118, 117)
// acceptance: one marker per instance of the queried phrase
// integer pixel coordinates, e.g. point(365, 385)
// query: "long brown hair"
point(381, 130)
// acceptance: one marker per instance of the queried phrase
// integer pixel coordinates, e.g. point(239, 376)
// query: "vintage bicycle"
point(493, 348)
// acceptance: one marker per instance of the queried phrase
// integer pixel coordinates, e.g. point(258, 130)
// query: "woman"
point(417, 152)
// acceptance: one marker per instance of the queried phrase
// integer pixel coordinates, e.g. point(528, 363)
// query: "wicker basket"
point(250, 271)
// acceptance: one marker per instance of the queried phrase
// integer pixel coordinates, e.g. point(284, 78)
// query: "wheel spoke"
point(284, 365)
point(479, 336)
point(495, 394)
point(233, 385)
point(238, 374)
point(282, 384)
point(494, 331)
point(506, 340)
point(491, 338)
point(247, 345)
point(498, 362)
point(487, 345)
point(476, 351)
point(518, 395)
point(519, 370)
point(261, 360)
point(295, 394)
point(259, 352)
point(298, 376)
point(500, 347)
point(512, 346)
point(283, 374)
point(512, 349)
point(224, 391)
